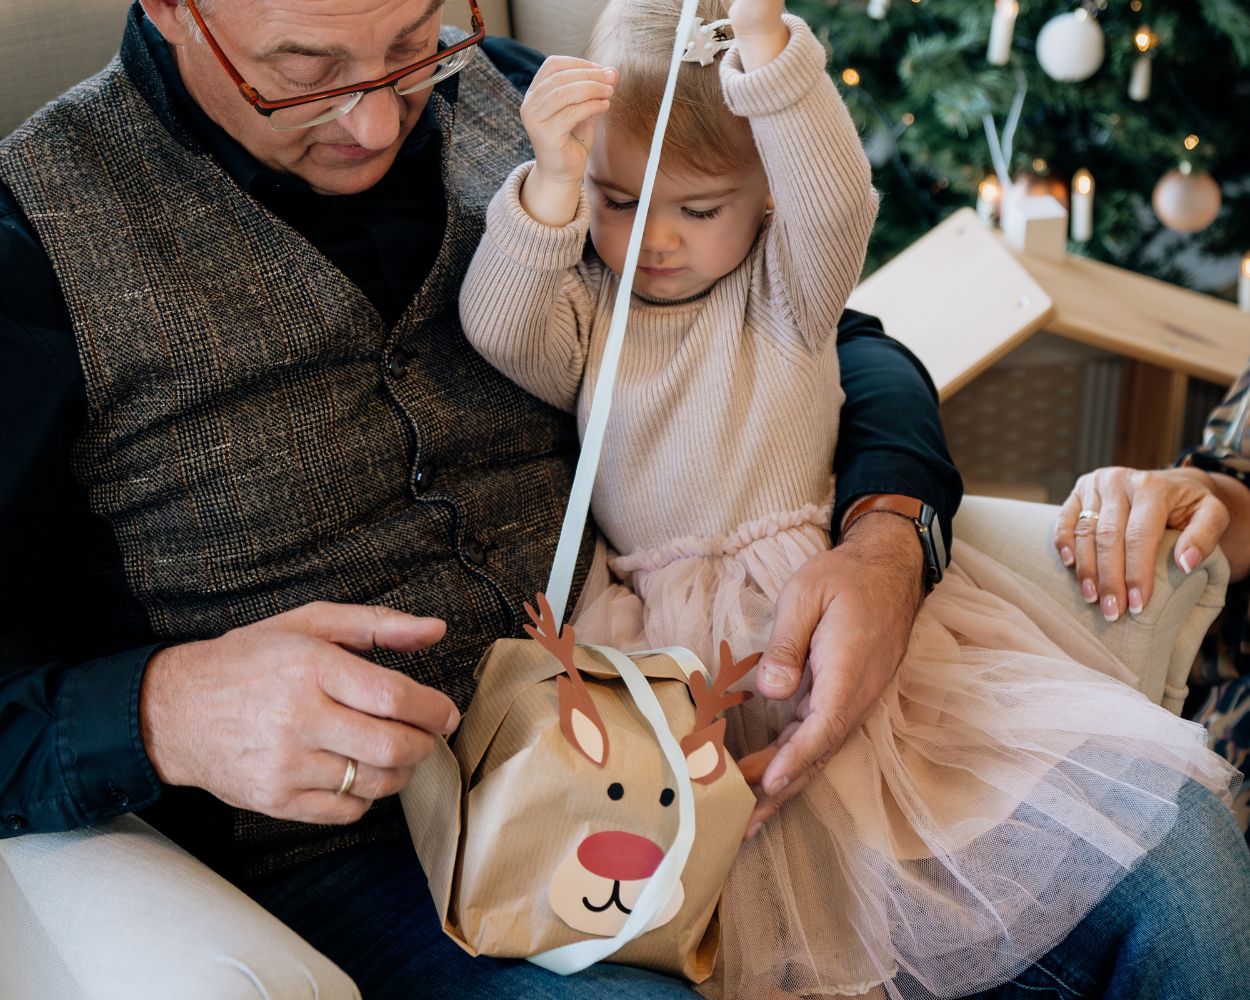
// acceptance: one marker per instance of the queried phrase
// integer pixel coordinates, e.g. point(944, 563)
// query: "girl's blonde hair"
point(636, 37)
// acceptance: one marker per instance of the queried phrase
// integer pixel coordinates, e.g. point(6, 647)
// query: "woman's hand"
point(559, 113)
point(1114, 553)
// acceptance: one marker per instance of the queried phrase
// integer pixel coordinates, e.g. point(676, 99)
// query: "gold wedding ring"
point(1087, 515)
point(349, 778)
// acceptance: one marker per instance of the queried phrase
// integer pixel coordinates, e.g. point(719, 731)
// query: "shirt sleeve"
point(70, 748)
point(890, 439)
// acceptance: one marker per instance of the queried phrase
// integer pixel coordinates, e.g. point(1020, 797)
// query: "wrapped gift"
point(588, 809)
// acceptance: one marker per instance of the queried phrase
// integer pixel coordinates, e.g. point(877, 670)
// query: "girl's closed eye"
point(619, 206)
point(703, 213)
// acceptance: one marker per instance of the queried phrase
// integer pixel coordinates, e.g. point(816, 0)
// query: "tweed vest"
point(256, 437)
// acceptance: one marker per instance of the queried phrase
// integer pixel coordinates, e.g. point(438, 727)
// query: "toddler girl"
point(1000, 788)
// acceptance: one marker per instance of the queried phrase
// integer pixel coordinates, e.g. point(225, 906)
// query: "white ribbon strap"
point(565, 563)
point(571, 958)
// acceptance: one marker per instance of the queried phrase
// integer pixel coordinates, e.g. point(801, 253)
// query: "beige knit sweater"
point(725, 408)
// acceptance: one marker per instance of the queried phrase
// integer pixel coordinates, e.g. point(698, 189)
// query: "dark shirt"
point(73, 650)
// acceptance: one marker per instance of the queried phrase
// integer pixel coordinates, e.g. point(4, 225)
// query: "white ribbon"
point(655, 895)
point(565, 563)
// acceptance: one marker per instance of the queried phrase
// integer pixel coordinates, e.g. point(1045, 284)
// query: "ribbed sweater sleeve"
point(819, 177)
point(526, 303)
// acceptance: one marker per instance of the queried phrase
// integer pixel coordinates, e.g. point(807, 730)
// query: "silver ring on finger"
point(1087, 515)
point(349, 777)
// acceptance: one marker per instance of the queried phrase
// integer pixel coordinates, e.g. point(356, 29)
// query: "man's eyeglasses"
point(316, 109)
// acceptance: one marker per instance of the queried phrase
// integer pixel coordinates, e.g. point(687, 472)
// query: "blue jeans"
point(1176, 928)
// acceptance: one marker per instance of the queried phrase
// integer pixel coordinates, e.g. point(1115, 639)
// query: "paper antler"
point(705, 746)
point(579, 719)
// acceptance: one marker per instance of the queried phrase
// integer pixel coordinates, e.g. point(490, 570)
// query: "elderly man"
point(235, 389)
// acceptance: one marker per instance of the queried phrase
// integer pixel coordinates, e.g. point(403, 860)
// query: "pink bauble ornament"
point(1187, 201)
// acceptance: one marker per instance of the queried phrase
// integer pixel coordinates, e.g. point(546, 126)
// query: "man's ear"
point(171, 18)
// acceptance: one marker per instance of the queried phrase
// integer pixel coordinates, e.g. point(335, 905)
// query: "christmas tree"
point(920, 79)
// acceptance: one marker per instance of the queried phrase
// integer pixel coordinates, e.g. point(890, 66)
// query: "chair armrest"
point(119, 912)
point(1158, 645)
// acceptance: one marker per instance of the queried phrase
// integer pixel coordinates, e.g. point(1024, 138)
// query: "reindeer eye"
point(615, 791)
point(666, 797)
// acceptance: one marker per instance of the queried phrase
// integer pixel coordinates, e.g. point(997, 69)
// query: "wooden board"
point(1143, 318)
point(958, 298)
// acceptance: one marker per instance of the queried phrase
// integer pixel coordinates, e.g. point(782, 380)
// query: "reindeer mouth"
point(613, 900)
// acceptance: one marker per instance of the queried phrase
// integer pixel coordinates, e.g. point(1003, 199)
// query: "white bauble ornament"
point(1187, 201)
point(1070, 47)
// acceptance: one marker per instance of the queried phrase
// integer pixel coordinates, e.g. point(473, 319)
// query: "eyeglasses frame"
point(267, 107)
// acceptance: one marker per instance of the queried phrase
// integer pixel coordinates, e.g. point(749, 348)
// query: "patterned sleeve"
point(1226, 437)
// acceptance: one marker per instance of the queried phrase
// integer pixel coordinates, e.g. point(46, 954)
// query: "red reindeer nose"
point(619, 856)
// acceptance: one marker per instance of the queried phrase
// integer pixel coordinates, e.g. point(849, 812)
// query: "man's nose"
point(375, 122)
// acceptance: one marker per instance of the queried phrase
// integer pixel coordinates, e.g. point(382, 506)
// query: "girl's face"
point(699, 228)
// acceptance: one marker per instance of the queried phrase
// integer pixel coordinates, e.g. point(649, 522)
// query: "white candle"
point(1139, 82)
point(1243, 284)
point(1082, 206)
point(877, 9)
point(989, 196)
point(1002, 31)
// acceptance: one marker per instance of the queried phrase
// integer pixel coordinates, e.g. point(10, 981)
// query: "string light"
point(1191, 142)
point(850, 76)
point(908, 118)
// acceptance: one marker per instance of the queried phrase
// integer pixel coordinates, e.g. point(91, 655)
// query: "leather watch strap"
point(893, 503)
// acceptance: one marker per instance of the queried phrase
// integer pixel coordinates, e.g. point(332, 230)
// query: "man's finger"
point(1203, 533)
point(781, 666)
point(380, 743)
point(365, 626)
point(386, 694)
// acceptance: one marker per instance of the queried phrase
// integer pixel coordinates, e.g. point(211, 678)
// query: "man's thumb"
point(781, 666)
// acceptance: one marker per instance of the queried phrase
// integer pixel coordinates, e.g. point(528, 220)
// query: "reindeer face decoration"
point(569, 805)
point(595, 886)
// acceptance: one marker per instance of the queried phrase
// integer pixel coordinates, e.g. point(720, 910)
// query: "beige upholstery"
point(1159, 644)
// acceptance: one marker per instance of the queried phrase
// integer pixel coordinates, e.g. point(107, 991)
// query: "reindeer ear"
point(580, 722)
point(705, 752)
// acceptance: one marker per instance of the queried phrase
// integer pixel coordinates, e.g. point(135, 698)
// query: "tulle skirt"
point(1005, 782)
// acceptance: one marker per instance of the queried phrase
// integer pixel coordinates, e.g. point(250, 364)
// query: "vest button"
point(474, 552)
point(397, 366)
point(424, 478)
point(118, 795)
point(14, 822)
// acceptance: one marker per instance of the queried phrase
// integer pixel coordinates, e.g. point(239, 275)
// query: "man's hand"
point(265, 716)
point(559, 113)
point(1114, 554)
point(849, 613)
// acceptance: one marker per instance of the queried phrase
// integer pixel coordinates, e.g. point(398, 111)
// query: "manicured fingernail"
point(1110, 608)
point(777, 785)
point(1189, 559)
point(753, 829)
point(1065, 554)
point(775, 677)
point(1134, 602)
point(1089, 591)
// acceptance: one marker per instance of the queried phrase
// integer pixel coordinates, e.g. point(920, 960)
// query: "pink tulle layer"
point(1005, 782)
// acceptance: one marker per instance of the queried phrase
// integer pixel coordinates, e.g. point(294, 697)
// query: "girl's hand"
point(559, 113)
point(755, 17)
point(759, 30)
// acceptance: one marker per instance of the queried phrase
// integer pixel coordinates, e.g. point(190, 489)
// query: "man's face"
point(287, 48)
point(699, 228)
